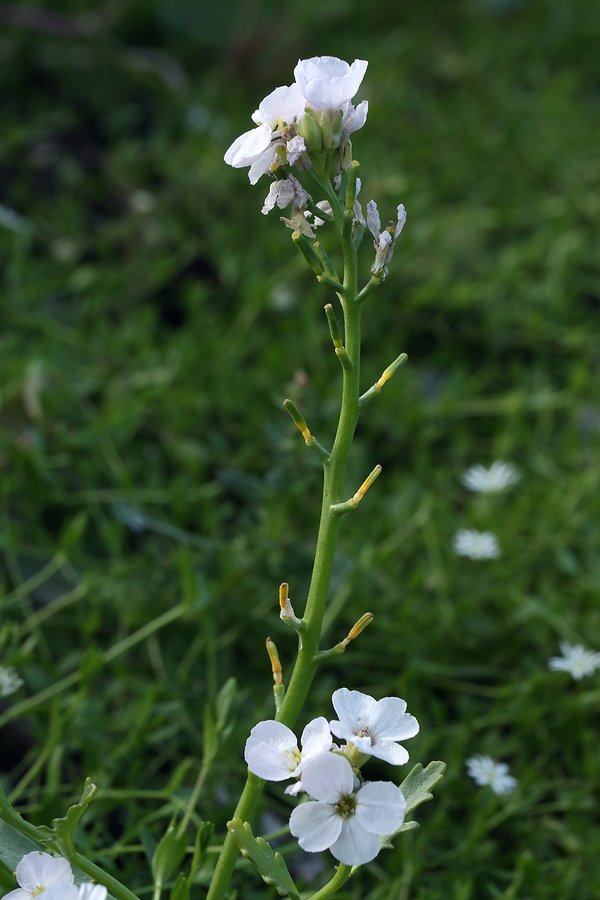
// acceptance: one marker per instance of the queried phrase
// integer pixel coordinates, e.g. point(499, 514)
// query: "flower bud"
point(308, 128)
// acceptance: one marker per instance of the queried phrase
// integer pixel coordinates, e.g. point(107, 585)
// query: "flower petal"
point(353, 708)
point(391, 721)
point(316, 825)
point(61, 892)
point(37, 869)
point(283, 104)
point(389, 751)
point(355, 846)
point(327, 777)
point(316, 738)
point(270, 751)
point(380, 807)
point(18, 894)
point(263, 163)
point(92, 892)
point(248, 146)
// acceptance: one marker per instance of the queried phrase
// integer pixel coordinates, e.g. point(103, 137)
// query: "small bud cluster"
point(302, 137)
point(346, 815)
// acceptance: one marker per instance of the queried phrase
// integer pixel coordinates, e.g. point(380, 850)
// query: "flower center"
point(362, 732)
point(40, 889)
point(346, 806)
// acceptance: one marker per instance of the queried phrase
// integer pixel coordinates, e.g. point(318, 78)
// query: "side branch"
point(353, 502)
point(309, 439)
point(385, 376)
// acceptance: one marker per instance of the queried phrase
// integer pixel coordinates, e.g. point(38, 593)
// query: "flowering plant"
point(301, 141)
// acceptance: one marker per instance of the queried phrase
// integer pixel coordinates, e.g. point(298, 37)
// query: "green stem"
point(334, 470)
point(340, 878)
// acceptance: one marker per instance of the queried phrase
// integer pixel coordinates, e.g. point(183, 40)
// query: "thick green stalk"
point(333, 482)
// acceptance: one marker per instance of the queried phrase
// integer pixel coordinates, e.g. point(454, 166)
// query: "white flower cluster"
point(343, 815)
point(10, 681)
point(297, 119)
point(42, 875)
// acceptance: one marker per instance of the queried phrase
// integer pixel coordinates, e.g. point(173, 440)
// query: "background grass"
point(153, 321)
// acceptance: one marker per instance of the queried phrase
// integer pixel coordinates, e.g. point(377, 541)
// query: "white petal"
point(92, 892)
point(19, 894)
point(353, 708)
point(248, 146)
point(270, 749)
point(316, 738)
point(283, 104)
point(37, 869)
point(263, 163)
point(355, 846)
point(401, 221)
point(354, 119)
point(380, 807)
point(391, 721)
point(328, 777)
point(389, 751)
point(294, 789)
point(373, 220)
point(364, 744)
point(316, 825)
point(60, 892)
point(327, 82)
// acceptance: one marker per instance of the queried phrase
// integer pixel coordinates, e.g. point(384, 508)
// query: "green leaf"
point(180, 890)
point(203, 836)
point(416, 789)
point(168, 854)
point(13, 846)
point(416, 786)
point(270, 865)
point(60, 836)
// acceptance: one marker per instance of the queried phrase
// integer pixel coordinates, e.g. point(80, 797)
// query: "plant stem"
point(340, 878)
point(333, 482)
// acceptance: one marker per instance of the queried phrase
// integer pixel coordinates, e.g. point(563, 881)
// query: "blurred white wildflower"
point(486, 771)
point(10, 681)
point(498, 477)
point(476, 544)
point(575, 660)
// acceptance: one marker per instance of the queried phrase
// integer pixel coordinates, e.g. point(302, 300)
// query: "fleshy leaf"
point(60, 836)
point(270, 865)
point(13, 846)
point(416, 788)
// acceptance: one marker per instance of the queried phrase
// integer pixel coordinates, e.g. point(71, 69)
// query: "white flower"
point(92, 892)
point(38, 873)
point(384, 241)
point(486, 771)
point(498, 477)
point(259, 147)
point(272, 752)
point(294, 149)
point(476, 544)
point(575, 660)
point(10, 681)
point(373, 726)
point(283, 192)
point(350, 824)
point(327, 82)
point(354, 117)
